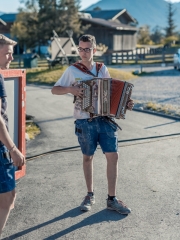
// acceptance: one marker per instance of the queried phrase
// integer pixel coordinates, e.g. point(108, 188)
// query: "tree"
point(59, 16)
point(25, 28)
point(97, 9)
point(171, 25)
point(157, 35)
point(40, 17)
point(144, 35)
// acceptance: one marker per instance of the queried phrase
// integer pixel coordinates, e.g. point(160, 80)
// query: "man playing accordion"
point(93, 130)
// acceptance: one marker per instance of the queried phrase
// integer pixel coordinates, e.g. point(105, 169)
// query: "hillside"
point(149, 12)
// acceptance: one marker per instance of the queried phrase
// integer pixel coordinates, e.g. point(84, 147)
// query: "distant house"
point(114, 28)
point(8, 19)
point(3, 22)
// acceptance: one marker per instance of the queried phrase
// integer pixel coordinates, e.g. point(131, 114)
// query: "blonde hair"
point(6, 41)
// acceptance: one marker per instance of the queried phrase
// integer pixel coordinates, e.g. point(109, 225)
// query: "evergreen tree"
point(59, 16)
point(157, 35)
point(171, 25)
point(97, 9)
point(25, 28)
point(144, 35)
point(35, 23)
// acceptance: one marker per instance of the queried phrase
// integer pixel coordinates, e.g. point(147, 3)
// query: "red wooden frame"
point(21, 75)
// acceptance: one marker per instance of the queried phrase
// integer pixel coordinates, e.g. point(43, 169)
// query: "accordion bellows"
point(106, 97)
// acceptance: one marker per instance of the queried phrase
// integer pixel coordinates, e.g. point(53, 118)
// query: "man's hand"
point(130, 104)
point(77, 91)
point(17, 157)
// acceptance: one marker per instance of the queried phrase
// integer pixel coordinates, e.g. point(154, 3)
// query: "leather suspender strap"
point(98, 67)
point(84, 69)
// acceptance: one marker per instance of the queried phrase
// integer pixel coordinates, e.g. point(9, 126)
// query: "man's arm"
point(74, 90)
point(58, 90)
point(17, 156)
point(66, 85)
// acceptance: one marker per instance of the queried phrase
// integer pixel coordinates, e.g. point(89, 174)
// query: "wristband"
point(12, 148)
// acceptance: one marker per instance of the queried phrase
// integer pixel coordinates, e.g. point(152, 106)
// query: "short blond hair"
point(6, 41)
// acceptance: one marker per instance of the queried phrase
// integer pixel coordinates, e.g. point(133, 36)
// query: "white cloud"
point(173, 1)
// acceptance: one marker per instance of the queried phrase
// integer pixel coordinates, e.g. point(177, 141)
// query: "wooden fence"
point(139, 55)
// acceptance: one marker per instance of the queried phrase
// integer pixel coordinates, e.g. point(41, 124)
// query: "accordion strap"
point(84, 69)
point(113, 122)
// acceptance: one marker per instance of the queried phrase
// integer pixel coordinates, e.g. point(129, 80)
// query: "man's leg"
point(6, 204)
point(88, 171)
point(112, 172)
point(87, 134)
point(88, 174)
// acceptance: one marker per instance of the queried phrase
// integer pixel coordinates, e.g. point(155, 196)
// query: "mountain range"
point(146, 12)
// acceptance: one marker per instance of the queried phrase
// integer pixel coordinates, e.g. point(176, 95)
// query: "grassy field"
point(167, 109)
point(32, 130)
point(50, 76)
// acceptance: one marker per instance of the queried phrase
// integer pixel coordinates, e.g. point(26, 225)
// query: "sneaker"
point(117, 205)
point(88, 201)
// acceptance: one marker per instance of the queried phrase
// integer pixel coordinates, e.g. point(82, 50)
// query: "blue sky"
point(12, 5)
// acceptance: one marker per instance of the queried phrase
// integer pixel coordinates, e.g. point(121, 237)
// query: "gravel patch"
point(158, 90)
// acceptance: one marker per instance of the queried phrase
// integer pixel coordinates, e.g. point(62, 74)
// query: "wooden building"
point(114, 28)
point(6, 21)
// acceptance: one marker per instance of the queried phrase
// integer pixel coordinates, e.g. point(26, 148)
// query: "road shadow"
point(99, 217)
point(160, 73)
point(55, 119)
point(160, 125)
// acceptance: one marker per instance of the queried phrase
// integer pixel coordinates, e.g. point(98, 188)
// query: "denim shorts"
point(98, 131)
point(7, 171)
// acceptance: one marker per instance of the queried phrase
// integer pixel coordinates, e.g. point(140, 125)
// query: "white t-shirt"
point(73, 74)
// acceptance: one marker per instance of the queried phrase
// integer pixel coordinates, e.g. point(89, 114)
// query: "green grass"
point(44, 75)
point(32, 130)
point(50, 76)
point(167, 109)
point(122, 75)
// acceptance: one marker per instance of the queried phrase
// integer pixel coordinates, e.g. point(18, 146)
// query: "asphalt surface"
point(48, 197)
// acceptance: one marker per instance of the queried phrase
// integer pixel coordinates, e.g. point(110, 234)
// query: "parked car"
point(177, 60)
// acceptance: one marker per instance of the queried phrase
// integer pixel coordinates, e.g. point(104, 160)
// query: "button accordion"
point(105, 97)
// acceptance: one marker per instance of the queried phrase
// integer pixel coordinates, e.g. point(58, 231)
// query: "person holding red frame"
point(10, 156)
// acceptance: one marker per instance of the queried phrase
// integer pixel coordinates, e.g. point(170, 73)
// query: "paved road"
point(50, 193)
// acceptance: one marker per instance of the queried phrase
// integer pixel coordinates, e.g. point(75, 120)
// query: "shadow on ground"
point(159, 73)
point(99, 217)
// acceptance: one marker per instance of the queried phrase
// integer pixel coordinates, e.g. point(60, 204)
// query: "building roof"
point(3, 22)
point(8, 17)
point(105, 14)
point(109, 24)
point(110, 14)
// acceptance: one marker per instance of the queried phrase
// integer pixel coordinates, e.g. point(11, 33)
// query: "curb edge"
point(157, 114)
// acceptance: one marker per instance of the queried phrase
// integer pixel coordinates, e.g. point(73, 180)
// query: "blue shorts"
point(98, 131)
point(7, 171)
